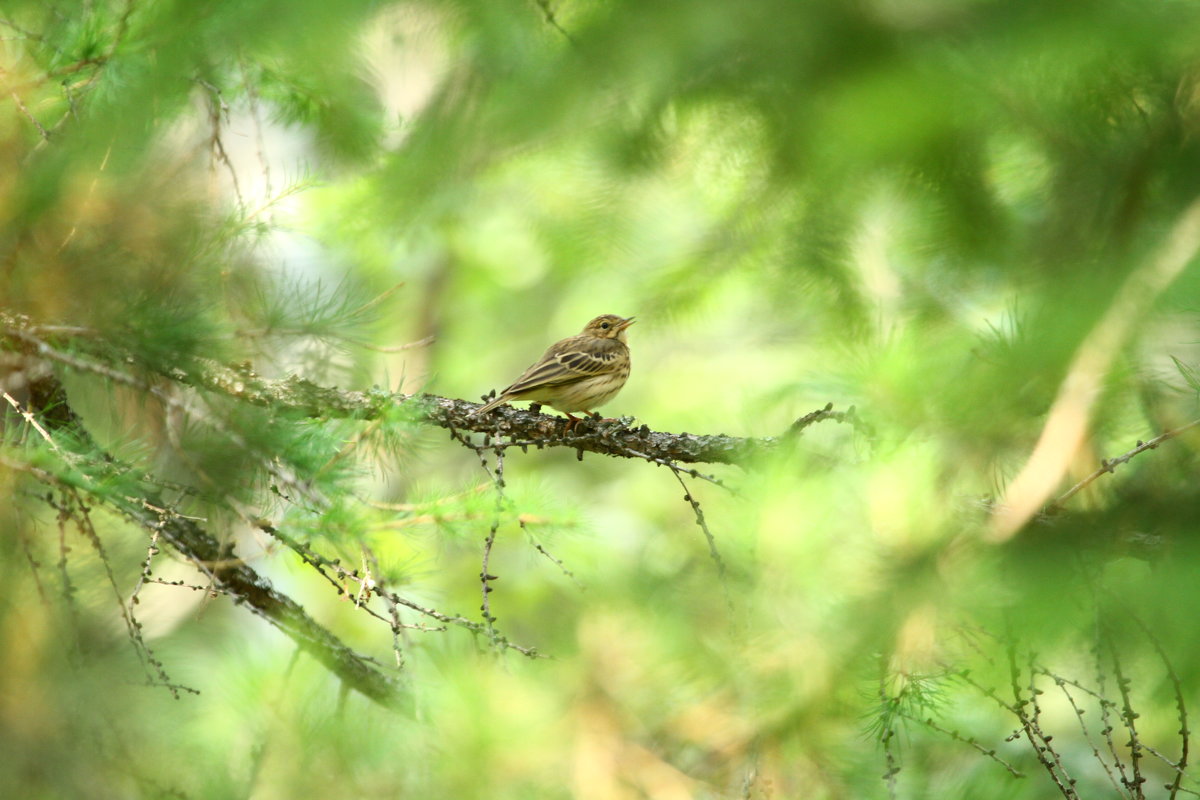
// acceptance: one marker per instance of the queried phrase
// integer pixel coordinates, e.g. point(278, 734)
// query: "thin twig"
point(1106, 721)
point(1062, 684)
point(1109, 464)
point(21, 106)
point(399, 348)
point(485, 577)
point(700, 521)
point(1181, 707)
point(1033, 733)
point(371, 568)
point(888, 733)
point(32, 420)
point(523, 522)
point(1128, 715)
point(552, 19)
point(256, 115)
point(218, 108)
point(930, 723)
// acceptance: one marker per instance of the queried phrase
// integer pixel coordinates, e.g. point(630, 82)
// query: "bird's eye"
point(604, 325)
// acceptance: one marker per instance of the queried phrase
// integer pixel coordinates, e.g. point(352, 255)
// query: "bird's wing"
point(567, 362)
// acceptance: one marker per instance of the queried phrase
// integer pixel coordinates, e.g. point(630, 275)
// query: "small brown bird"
point(576, 374)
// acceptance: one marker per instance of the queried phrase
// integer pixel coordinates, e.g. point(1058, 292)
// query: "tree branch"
point(521, 427)
point(524, 427)
point(231, 575)
point(217, 561)
point(1107, 465)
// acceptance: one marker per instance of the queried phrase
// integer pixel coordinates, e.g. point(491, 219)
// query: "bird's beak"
point(625, 323)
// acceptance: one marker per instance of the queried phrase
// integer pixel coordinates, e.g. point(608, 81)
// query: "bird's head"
point(608, 326)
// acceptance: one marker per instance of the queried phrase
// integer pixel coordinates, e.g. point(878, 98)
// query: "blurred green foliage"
point(931, 210)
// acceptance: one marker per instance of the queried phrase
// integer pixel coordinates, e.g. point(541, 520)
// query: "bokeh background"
point(971, 221)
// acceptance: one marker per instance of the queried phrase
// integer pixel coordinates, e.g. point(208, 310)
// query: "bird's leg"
point(572, 421)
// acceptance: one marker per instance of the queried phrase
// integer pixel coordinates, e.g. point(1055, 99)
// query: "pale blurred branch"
point(1067, 422)
point(45, 134)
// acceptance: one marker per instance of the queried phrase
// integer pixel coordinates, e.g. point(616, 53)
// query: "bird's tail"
point(488, 406)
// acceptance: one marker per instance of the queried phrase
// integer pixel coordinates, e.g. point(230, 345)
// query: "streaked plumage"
point(576, 374)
